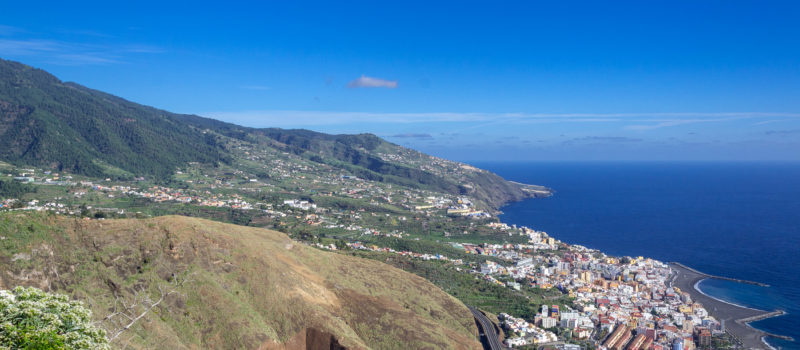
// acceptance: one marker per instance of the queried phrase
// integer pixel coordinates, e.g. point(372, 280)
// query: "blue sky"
point(566, 80)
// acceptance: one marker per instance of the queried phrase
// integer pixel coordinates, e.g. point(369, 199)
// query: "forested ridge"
point(50, 123)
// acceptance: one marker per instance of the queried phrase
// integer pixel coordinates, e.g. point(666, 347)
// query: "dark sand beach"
point(736, 317)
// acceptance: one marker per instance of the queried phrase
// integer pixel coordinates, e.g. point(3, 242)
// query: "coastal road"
point(488, 330)
point(733, 315)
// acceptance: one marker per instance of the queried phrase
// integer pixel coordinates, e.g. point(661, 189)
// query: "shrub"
point(33, 319)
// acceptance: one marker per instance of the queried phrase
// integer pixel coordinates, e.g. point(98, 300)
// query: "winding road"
point(488, 330)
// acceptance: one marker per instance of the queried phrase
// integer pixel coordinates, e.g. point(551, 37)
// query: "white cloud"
point(370, 82)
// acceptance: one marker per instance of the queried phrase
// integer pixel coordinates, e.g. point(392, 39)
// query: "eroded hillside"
point(204, 284)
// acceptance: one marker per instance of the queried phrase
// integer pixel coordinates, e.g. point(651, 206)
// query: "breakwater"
point(737, 318)
point(720, 277)
point(764, 316)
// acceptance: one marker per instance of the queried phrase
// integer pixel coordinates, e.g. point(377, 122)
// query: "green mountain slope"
point(200, 284)
point(370, 157)
point(48, 123)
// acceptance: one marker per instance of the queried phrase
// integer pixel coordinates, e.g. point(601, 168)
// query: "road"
point(488, 330)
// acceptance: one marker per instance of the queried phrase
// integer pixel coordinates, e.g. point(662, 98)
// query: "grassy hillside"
point(203, 284)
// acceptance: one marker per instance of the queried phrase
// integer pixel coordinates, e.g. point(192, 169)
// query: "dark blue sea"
point(739, 220)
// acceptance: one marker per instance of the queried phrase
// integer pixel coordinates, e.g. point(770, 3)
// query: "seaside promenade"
point(735, 317)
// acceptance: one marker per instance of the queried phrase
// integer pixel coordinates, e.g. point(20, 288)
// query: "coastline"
point(737, 318)
point(635, 193)
point(697, 288)
point(530, 192)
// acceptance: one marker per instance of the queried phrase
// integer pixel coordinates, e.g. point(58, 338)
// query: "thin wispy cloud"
point(138, 48)
point(602, 140)
point(653, 122)
point(675, 122)
point(766, 122)
point(783, 132)
point(57, 52)
point(370, 82)
point(87, 58)
point(256, 87)
point(9, 30)
point(413, 136)
point(85, 32)
point(69, 52)
point(311, 118)
point(636, 121)
point(28, 47)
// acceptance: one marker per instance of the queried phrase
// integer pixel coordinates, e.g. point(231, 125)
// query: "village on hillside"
point(574, 295)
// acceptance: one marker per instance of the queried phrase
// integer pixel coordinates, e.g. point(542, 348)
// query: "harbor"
point(736, 318)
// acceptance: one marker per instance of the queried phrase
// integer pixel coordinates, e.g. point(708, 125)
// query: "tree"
point(128, 311)
point(33, 319)
point(13, 189)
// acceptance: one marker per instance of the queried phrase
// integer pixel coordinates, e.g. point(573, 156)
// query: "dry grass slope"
point(227, 286)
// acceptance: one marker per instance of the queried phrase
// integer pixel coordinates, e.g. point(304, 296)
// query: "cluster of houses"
point(300, 204)
point(521, 333)
point(7, 203)
point(609, 293)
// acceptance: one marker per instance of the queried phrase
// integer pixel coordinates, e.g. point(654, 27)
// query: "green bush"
point(33, 319)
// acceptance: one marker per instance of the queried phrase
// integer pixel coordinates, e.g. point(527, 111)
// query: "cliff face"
point(203, 284)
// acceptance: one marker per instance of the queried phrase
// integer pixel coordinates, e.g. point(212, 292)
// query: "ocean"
point(739, 220)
